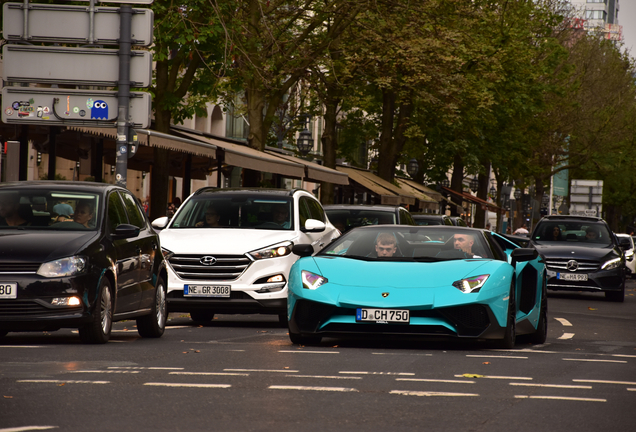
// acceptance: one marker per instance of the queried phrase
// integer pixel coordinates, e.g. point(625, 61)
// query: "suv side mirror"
point(160, 223)
point(303, 250)
point(313, 225)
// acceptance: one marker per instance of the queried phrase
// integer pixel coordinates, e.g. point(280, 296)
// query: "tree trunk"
point(457, 184)
point(386, 165)
point(329, 148)
point(482, 192)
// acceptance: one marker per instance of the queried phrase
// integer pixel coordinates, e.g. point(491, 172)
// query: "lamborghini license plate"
point(383, 315)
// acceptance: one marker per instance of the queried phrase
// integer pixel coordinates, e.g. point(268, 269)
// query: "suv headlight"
point(471, 284)
point(611, 264)
point(312, 280)
point(63, 267)
point(275, 251)
point(166, 253)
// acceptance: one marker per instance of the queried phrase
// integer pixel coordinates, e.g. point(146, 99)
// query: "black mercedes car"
point(78, 255)
point(581, 254)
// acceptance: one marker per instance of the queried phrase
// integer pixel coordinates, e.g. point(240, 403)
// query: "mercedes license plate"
point(572, 276)
point(206, 290)
point(383, 315)
point(8, 290)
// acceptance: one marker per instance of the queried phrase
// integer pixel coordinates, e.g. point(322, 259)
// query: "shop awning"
point(388, 192)
point(314, 171)
point(247, 157)
point(426, 202)
point(476, 200)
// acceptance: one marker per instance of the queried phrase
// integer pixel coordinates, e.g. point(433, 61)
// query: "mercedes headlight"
point(471, 284)
point(311, 280)
point(611, 264)
point(275, 251)
point(62, 267)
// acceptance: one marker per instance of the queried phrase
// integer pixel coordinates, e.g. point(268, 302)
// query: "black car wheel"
point(202, 316)
point(616, 296)
point(510, 336)
point(97, 331)
point(282, 320)
point(154, 324)
point(541, 333)
point(304, 340)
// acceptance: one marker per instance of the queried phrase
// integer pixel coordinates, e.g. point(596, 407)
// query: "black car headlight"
point(311, 280)
point(611, 264)
point(63, 267)
point(275, 251)
point(471, 284)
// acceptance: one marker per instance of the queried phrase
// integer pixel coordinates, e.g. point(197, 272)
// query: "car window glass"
point(116, 211)
point(303, 210)
point(134, 212)
point(316, 210)
point(405, 218)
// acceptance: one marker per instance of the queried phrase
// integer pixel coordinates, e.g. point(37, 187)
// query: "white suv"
point(229, 250)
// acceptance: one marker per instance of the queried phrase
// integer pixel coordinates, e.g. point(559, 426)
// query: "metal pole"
point(25, 28)
point(91, 22)
point(125, 42)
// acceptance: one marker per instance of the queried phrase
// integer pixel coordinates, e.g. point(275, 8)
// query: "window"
point(595, 14)
point(316, 210)
point(134, 212)
point(303, 209)
point(116, 212)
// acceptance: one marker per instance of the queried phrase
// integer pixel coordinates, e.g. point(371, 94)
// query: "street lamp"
point(517, 193)
point(474, 184)
point(445, 183)
point(305, 142)
point(412, 167)
point(493, 191)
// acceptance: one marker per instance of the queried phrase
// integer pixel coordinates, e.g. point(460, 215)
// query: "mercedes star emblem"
point(573, 265)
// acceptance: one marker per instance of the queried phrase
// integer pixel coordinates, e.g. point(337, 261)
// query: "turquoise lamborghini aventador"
point(418, 280)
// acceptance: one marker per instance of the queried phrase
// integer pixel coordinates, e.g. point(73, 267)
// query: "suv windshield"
point(236, 211)
point(48, 209)
point(351, 218)
point(410, 244)
point(589, 233)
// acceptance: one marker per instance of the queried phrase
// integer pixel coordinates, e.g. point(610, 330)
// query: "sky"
point(627, 18)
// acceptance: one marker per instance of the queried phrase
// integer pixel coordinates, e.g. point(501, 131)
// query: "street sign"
point(78, 66)
point(586, 197)
point(64, 107)
point(71, 24)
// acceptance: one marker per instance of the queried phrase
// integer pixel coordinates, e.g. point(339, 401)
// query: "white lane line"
point(494, 377)
point(106, 371)
point(144, 367)
point(595, 360)
point(325, 376)
point(604, 382)
point(308, 352)
point(20, 346)
point(64, 381)
point(209, 373)
point(332, 389)
point(492, 356)
point(564, 322)
point(261, 370)
point(551, 385)
point(428, 393)
point(376, 373)
point(28, 428)
point(436, 380)
point(566, 336)
point(158, 384)
point(525, 350)
point(402, 354)
point(178, 327)
point(624, 355)
point(631, 389)
point(560, 398)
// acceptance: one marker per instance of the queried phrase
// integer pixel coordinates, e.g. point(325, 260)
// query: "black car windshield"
point(572, 232)
point(426, 244)
point(236, 211)
point(49, 209)
point(346, 219)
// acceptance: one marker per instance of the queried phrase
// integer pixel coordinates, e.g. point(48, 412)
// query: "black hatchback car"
point(78, 255)
point(348, 216)
point(581, 254)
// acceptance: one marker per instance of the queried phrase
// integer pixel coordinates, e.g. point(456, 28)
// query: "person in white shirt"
point(522, 231)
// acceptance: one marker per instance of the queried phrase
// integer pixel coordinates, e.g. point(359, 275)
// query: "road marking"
point(260, 370)
point(64, 381)
point(308, 352)
point(436, 380)
point(624, 355)
point(491, 356)
point(551, 385)
point(605, 382)
point(209, 373)
point(20, 346)
point(595, 360)
point(560, 398)
point(427, 393)
point(402, 354)
point(526, 350)
point(566, 336)
point(28, 428)
point(158, 384)
point(324, 376)
point(332, 389)
point(564, 322)
point(144, 367)
point(494, 377)
point(376, 373)
point(106, 371)
point(631, 389)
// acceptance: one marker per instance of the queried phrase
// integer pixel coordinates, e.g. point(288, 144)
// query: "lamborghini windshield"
point(400, 243)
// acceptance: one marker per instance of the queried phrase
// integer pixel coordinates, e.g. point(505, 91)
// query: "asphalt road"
point(241, 373)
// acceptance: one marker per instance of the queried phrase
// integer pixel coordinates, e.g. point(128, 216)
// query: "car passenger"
point(211, 219)
point(464, 243)
point(556, 234)
point(280, 215)
point(9, 210)
point(84, 212)
point(591, 234)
